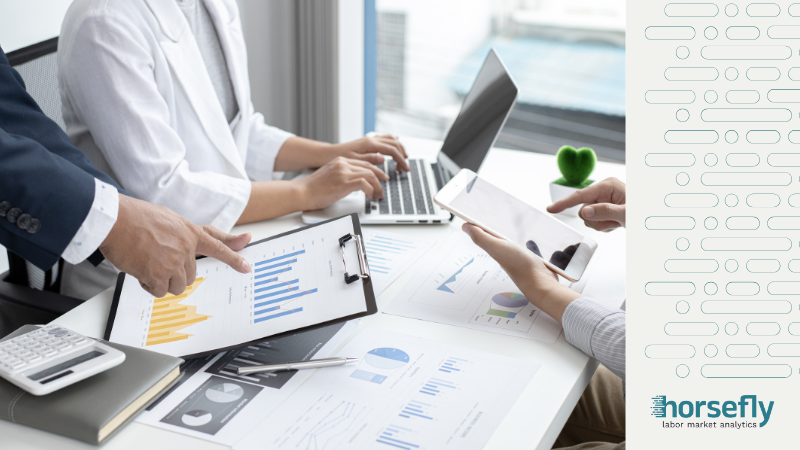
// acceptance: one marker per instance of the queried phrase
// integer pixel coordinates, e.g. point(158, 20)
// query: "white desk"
point(541, 411)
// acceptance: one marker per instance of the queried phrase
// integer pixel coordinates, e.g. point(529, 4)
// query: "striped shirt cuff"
point(97, 224)
point(598, 331)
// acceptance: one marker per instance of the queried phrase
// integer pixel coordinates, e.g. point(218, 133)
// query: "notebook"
point(91, 410)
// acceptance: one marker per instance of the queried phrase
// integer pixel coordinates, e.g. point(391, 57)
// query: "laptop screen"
point(481, 118)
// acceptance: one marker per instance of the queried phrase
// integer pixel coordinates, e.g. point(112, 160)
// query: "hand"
point(158, 247)
point(603, 204)
point(372, 149)
point(336, 179)
point(539, 284)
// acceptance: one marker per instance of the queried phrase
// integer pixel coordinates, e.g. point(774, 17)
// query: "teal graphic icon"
point(659, 408)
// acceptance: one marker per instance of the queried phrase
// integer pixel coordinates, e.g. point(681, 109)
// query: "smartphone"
point(563, 250)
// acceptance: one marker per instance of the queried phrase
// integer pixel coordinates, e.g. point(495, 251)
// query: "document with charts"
point(213, 403)
point(296, 280)
point(390, 255)
point(405, 392)
point(461, 285)
point(713, 96)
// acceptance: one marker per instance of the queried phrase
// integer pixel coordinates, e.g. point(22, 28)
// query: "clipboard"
point(348, 276)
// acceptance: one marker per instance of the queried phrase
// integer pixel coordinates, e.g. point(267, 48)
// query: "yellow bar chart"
point(170, 316)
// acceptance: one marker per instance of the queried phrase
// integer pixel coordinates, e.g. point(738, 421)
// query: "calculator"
point(53, 357)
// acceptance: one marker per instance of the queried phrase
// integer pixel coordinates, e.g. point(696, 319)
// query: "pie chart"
point(387, 358)
point(224, 393)
point(196, 418)
point(510, 300)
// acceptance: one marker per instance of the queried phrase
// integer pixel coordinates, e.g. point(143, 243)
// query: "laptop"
point(408, 196)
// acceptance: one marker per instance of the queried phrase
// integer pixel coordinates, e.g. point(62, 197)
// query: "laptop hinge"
point(437, 174)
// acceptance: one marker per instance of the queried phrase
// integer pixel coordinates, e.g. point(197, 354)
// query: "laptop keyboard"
point(404, 193)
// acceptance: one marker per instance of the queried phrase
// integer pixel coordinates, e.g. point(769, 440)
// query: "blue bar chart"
point(398, 437)
point(385, 251)
point(435, 386)
point(389, 255)
point(416, 409)
point(274, 288)
point(452, 364)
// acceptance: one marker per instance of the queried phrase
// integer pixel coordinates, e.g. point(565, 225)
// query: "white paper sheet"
point(390, 255)
point(406, 392)
point(296, 281)
point(212, 404)
point(461, 285)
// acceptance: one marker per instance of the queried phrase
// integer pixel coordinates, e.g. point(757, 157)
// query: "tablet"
point(563, 250)
point(297, 282)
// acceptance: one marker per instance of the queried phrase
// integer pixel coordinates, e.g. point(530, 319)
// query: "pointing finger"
point(603, 211)
point(209, 246)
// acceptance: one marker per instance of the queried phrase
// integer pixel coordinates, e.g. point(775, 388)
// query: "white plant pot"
point(557, 192)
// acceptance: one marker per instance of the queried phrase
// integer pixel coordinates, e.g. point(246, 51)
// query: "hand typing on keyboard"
point(404, 192)
point(371, 149)
point(337, 179)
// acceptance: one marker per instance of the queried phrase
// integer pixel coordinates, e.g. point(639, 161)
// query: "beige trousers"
point(598, 420)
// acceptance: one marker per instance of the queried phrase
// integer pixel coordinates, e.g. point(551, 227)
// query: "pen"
point(312, 364)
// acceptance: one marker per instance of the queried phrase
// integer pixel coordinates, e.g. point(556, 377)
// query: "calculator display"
point(65, 365)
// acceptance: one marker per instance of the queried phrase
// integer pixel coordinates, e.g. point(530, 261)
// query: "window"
point(567, 56)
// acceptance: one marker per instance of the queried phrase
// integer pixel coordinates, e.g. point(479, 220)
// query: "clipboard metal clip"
point(362, 258)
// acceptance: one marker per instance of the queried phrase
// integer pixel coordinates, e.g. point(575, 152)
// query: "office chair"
point(29, 294)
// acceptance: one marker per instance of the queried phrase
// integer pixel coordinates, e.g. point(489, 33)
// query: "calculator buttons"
point(52, 346)
point(17, 364)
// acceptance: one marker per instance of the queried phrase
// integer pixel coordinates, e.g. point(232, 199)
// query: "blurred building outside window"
point(567, 56)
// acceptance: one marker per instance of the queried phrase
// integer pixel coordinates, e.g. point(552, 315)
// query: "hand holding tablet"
point(562, 249)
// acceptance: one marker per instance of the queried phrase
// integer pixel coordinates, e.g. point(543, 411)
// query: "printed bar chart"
point(497, 312)
point(397, 437)
point(170, 316)
point(436, 386)
point(272, 295)
point(383, 252)
point(389, 255)
point(451, 365)
point(415, 409)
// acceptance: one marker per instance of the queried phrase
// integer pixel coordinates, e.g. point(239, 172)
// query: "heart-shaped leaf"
point(576, 165)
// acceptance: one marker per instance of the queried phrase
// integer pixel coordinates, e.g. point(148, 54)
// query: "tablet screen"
point(518, 222)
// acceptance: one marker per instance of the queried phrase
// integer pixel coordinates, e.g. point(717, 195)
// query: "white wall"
point(26, 22)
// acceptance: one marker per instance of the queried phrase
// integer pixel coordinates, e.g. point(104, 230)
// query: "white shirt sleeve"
point(264, 144)
point(97, 224)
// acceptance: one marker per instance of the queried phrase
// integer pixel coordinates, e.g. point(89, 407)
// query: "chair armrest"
point(42, 300)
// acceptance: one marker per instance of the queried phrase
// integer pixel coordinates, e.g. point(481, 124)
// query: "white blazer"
point(137, 99)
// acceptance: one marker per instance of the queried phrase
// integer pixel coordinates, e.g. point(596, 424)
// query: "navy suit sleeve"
point(42, 174)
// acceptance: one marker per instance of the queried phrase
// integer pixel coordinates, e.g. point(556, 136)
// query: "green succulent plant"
point(575, 166)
